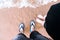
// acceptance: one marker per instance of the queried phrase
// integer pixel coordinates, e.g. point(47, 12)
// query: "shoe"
point(32, 25)
point(21, 27)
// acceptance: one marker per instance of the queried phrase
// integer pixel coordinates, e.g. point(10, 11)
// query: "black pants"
point(33, 36)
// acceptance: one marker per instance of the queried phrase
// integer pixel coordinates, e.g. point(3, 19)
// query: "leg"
point(34, 34)
point(21, 36)
point(37, 36)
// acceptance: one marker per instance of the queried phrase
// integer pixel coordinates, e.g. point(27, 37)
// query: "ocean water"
point(23, 3)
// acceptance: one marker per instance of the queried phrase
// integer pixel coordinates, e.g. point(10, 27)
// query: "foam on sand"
point(23, 3)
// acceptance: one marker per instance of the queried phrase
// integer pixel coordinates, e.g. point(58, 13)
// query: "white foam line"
point(54, 0)
point(23, 3)
point(6, 4)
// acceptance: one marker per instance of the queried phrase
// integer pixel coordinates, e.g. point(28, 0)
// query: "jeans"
point(20, 36)
point(37, 36)
point(33, 36)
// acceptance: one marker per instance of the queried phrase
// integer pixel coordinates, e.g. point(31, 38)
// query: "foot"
point(21, 27)
point(32, 25)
